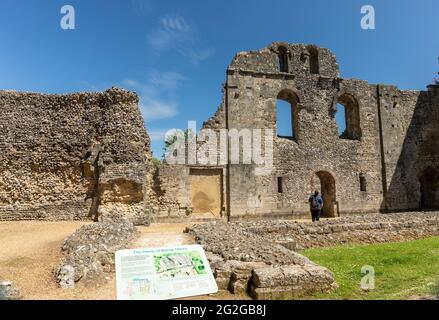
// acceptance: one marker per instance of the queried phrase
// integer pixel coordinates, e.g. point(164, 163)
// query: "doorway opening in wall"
point(206, 195)
point(429, 184)
point(325, 182)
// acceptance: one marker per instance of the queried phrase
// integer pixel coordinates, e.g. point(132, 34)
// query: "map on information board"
point(163, 273)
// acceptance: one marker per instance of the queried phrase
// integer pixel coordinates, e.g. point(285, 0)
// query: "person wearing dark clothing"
point(316, 205)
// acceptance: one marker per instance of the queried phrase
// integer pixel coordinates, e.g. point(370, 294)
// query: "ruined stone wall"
point(411, 146)
point(173, 182)
point(253, 85)
point(377, 164)
point(69, 156)
point(386, 160)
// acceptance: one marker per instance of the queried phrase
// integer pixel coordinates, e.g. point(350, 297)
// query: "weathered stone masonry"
point(70, 156)
point(386, 160)
point(74, 156)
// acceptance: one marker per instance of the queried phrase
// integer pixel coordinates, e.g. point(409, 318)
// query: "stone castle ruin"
point(386, 160)
point(80, 155)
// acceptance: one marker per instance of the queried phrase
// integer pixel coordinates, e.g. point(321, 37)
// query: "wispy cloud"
point(156, 95)
point(142, 7)
point(157, 135)
point(174, 32)
point(167, 80)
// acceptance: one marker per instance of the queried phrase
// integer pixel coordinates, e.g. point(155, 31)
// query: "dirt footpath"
point(29, 250)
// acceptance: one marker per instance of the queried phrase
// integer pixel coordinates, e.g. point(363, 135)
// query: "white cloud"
point(167, 80)
point(174, 32)
point(157, 135)
point(154, 109)
point(142, 7)
point(156, 95)
point(197, 56)
point(175, 24)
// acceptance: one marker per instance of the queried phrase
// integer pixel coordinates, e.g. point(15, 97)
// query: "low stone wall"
point(89, 251)
point(247, 263)
point(258, 258)
point(367, 229)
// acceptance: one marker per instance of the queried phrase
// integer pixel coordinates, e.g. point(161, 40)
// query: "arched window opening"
point(340, 118)
point(348, 117)
point(313, 60)
point(286, 115)
point(283, 59)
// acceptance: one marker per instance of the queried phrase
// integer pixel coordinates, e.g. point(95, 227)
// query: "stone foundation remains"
point(260, 258)
point(359, 229)
point(247, 263)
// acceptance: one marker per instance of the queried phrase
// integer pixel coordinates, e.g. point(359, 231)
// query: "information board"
point(163, 273)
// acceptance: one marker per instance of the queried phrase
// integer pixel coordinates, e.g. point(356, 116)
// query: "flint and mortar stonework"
point(262, 258)
point(72, 156)
point(386, 160)
point(77, 156)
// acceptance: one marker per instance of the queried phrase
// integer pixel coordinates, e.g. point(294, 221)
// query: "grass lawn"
point(402, 269)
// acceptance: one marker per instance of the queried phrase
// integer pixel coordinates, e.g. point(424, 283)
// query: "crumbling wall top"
point(281, 57)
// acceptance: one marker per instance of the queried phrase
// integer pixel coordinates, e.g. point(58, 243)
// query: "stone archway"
point(326, 185)
point(429, 188)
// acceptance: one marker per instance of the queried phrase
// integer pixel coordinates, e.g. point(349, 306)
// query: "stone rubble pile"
point(89, 251)
point(8, 291)
point(247, 263)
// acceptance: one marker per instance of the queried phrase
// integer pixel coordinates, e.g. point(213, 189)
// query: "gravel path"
point(29, 250)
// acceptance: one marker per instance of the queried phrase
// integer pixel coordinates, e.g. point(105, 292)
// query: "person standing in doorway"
point(316, 205)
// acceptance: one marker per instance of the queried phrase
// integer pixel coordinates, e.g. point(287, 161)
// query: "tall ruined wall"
point(69, 156)
point(386, 160)
point(253, 86)
point(410, 133)
point(173, 183)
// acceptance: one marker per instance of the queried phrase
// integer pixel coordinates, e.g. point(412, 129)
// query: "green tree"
point(171, 139)
point(156, 163)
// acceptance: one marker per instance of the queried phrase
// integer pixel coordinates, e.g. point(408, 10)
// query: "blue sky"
point(174, 53)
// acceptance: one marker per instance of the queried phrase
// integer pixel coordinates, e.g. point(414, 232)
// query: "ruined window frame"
point(292, 98)
point(313, 57)
point(351, 116)
point(283, 59)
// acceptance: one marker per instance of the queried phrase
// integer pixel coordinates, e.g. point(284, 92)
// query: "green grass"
point(402, 269)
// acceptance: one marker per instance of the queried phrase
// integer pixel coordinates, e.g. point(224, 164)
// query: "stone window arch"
point(288, 101)
point(283, 59)
point(347, 106)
